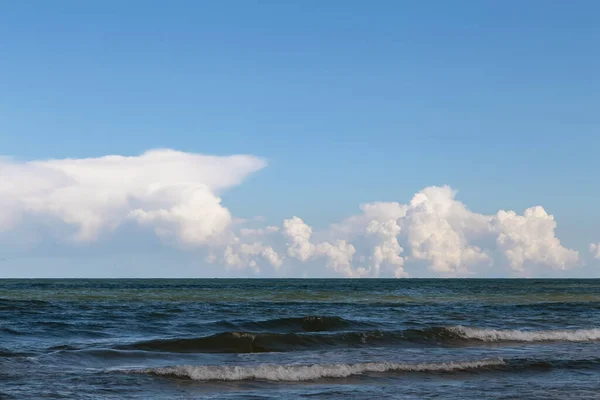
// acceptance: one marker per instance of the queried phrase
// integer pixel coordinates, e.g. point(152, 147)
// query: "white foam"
point(305, 372)
point(493, 335)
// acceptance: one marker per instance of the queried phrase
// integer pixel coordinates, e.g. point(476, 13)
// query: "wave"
point(311, 323)
point(6, 353)
point(494, 335)
point(248, 342)
point(10, 331)
point(307, 372)
point(21, 305)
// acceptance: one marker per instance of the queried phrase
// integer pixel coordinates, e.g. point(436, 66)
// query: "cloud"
point(439, 230)
point(531, 238)
point(436, 229)
point(386, 249)
point(258, 231)
point(176, 196)
point(174, 193)
point(595, 250)
point(338, 256)
point(242, 255)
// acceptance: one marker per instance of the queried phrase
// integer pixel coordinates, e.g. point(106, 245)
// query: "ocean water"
point(300, 339)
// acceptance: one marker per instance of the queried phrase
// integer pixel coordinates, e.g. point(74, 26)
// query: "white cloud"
point(531, 238)
point(243, 254)
point(173, 192)
point(595, 249)
point(338, 256)
point(299, 235)
point(176, 196)
point(193, 213)
point(439, 228)
point(386, 249)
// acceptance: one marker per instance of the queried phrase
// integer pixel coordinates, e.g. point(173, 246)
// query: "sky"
point(299, 139)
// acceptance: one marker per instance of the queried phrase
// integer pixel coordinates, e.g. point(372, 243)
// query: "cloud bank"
point(176, 196)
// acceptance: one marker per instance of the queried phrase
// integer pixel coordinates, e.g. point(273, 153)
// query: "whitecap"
point(291, 372)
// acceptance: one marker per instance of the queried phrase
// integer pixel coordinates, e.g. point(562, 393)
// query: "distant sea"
point(299, 339)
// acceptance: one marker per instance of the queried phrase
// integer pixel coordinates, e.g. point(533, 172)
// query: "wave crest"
point(247, 342)
point(494, 335)
point(310, 323)
point(306, 372)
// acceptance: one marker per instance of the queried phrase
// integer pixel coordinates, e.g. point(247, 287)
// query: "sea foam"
point(493, 335)
point(272, 372)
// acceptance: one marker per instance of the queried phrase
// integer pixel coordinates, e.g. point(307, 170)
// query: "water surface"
point(300, 339)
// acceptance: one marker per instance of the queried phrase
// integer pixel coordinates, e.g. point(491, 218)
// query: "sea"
point(300, 339)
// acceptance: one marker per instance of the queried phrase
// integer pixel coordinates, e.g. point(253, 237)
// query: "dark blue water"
point(300, 339)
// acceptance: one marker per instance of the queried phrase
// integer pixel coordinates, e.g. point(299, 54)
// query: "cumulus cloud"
point(176, 195)
point(386, 249)
point(338, 256)
point(439, 230)
point(242, 255)
point(530, 238)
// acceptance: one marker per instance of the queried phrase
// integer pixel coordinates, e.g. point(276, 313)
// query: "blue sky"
point(349, 102)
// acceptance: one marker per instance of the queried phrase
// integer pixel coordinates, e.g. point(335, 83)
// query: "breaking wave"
point(306, 372)
point(493, 335)
point(248, 342)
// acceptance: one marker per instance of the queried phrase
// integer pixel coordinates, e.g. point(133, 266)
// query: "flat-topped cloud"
point(175, 193)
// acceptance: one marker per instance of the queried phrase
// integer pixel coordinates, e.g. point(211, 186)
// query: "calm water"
point(300, 339)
